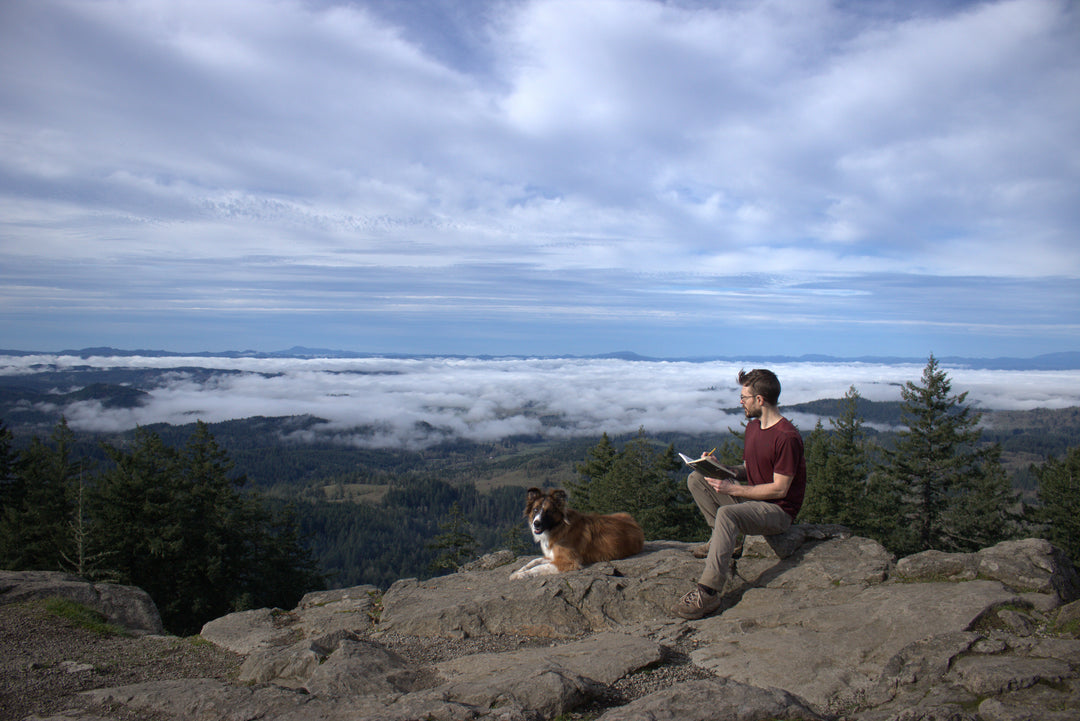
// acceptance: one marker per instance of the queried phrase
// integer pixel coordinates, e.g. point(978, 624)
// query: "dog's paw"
point(518, 574)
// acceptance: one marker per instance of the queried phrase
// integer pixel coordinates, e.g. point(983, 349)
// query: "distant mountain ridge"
point(1065, 360)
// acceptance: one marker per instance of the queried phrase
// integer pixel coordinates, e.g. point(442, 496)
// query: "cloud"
point(416, 402)
point(196, 164)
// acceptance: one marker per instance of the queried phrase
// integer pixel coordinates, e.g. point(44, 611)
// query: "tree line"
point(172, 521)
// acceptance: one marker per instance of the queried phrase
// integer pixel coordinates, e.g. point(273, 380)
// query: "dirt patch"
point(45, 661)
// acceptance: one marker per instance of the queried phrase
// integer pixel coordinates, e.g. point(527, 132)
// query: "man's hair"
point(762, 383)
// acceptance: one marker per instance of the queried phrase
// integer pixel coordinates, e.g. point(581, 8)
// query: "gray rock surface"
point(815, 625)
point(128, 607)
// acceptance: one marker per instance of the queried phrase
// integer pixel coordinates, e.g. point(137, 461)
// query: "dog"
point(571, 540)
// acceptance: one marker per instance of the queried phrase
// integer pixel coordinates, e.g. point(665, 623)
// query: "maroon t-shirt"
point(778, 449)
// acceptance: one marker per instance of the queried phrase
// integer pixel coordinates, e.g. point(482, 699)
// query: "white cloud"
point(415, 402)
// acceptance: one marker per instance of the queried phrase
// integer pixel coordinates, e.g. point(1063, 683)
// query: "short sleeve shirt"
point(777, 449)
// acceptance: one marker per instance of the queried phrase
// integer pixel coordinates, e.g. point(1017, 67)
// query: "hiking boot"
point(697, 604)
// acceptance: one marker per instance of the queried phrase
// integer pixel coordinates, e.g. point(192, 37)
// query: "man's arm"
point(761, 492)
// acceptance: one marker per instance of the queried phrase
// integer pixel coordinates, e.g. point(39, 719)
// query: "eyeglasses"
point(745, 398)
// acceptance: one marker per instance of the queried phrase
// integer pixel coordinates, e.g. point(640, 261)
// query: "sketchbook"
point(709, 467)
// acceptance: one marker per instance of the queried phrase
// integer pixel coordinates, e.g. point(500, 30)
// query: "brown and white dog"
point(571, 540)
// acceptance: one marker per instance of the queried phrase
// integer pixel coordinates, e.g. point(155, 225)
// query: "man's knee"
point(695, 480)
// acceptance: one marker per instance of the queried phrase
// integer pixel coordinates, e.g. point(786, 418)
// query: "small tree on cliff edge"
point(836, 469)
point(947, 491)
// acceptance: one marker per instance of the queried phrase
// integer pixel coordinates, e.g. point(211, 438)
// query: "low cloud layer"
point(381, 402)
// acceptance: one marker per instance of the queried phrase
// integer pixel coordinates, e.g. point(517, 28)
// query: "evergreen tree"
point(593, 470)
point(1059, 502)
point(836, 469)
point(456, 543)
point(8, 458)
point(34, 526)
point(932, 471)
point(639, 480)
point(177, 525)
point(12, 495)
point(816, 450)
point(986, 509)
point(730, 452)
point(85, 560)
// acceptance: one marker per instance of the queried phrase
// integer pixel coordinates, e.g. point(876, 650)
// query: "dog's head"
point(544, 511)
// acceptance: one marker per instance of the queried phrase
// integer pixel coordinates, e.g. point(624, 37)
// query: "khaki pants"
point(728, 517)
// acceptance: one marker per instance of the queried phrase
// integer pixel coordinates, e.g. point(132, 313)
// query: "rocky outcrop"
point(816, 624)
point(127, 607)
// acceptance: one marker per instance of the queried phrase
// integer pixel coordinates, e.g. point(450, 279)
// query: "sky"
point(550, 177)
point(416, 402)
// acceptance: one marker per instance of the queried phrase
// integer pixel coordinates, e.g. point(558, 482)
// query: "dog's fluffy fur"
point(571, 540)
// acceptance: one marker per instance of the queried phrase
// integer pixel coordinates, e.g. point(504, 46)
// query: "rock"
point(994, 675)
point(1067, 619)
point(1036, 703)
point(714, 699)
point(782, 545)
point(361, 668)
point(1032, 564)
point(816, 624)
point(290, 666)
point(324, 613)
point(490, 561)
point(247, 631)
point(829, 646)
point(597, 598)
point(938, 566)
point(128, 607)
point(604, 658)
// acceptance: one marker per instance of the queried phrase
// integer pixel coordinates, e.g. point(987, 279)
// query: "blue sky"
point(681, 178)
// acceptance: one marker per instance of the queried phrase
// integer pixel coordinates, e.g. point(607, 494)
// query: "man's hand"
point(724, 485)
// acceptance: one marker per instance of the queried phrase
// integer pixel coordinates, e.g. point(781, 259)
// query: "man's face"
point(751, 404)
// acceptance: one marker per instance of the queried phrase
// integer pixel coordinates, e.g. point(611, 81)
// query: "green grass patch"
point(82, 616)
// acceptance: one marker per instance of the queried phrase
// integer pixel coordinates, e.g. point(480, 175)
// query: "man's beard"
point(755, 413)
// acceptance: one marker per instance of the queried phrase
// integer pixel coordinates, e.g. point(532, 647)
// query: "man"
point(774, 469)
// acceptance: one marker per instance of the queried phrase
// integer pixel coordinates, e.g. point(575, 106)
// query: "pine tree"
point(730, 452)
point(640, 480)
point(985, 510)
point(1059, 502)
point(34, 527)
point(932, 471)
point(178, 525)
point(837, 469)
point(12, 495)
point(8, 458)
point(455, 543)
point(815, 507)
point(592, 471)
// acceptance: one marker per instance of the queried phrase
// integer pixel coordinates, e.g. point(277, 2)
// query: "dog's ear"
point(559, 496)
point(532, 494)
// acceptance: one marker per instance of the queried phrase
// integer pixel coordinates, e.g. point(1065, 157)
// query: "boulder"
point(128, 607)
point(247, 631)
point(598, 598)
point(1032, 564)
point(710, 699)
